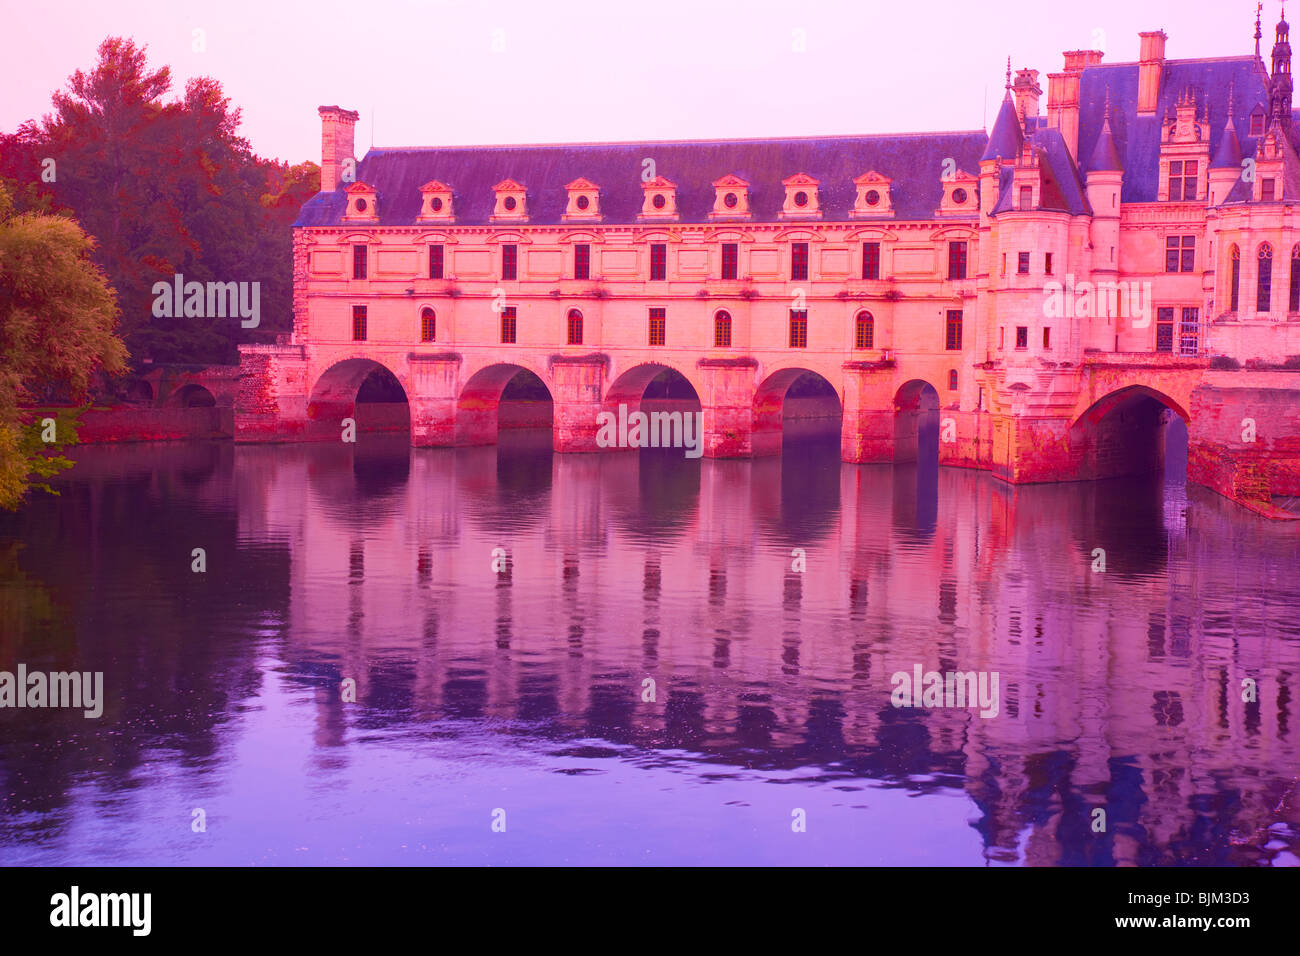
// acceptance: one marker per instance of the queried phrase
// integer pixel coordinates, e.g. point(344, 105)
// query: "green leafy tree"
point(58, 318)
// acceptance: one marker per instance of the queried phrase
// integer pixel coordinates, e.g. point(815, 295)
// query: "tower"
point(1281, 86)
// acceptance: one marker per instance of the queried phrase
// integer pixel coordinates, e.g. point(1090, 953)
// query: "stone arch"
point(140, 390)
point(1124, 432)
point(334, 397)
point(653, 387)
point(191, 396)
point(794, 394)
point(502, 395)
point(916, 421)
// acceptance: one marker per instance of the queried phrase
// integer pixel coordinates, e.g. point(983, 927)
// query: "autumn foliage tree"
point(164, 187)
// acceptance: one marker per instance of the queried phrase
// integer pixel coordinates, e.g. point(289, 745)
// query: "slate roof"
point(1138, 138)
point(1006, 139)
point(1062, 186)
point(912, 161)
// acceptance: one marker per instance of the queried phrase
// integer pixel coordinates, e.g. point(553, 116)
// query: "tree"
point(58, 318)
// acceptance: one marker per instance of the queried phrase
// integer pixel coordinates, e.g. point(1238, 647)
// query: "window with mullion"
point(871, 260)
point(798, 261)
point(798, 328)
point(730, 260)
point(582, 261)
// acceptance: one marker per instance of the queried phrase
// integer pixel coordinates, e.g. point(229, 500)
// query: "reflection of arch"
point(479, 413)
point(191, 396)
point(1124, 433)
point(916, 422)
point(334, 398)
point(791, 394)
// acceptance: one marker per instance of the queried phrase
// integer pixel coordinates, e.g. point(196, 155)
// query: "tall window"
point(1267, 189)
point(509, 329)
point(658, 326)
point(798, 261)
point(956, 260)
point(730, 260)
point(1047, 263)
point(1190, 333)
point(1047, 338)
point(658, 261)
point(575, 327)
point(952, 338)
point(582, 261)
point(871, 260)
point(1022, 336)
point(1264, 285)
point(952, 380)
point(435, 262)
point(798, 328)
point(358, 323)
point(722, 330)
point(865, 334)
point(1180, 253)
point(1182, 180)
point(428, 325)
point(358, 262)
point(1164, 329)
point(1026, 197)
point(509, 261)
point(1234, 286)
point(1293, 300)
point(1022, 263)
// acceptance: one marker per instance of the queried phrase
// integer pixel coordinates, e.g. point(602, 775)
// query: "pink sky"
point(425, 73)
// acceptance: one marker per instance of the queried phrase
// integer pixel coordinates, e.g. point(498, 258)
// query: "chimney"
point(1150, 67)
point(1063, 96)
point(1026, 91)
point(336, 144)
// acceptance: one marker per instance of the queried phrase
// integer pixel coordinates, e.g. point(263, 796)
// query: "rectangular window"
point(582, 261)
point(952, 335)
point(658, 261)
point(956, 260)
point(575, 327)
point(658, 326)
point(1022, 264)
point(1266, 190)
point(1164, 329)
point(1180, 253)
point(1026, 197)
point(358, 323)
point(730, 260)
point(508, 327)
point(1047, 338)
point(871, 260)
point(798, 261)
point(358, 262)
point(798, 328)
point(1047, 263)
point(435, 262)
point(1022, 336)
point(1002, 336)
point(1189, 335)
point(509, 262)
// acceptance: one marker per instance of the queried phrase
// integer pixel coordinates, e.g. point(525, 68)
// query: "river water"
point(667, 661)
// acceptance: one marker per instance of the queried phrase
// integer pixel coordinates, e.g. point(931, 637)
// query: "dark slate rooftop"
point(1062, 187)
point(1138, 138)
point(1006, 138)
point(912, 161)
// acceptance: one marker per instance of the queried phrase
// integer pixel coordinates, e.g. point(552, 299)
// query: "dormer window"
point(435, 202)
point(584, 201)
point(1257, 121)
point(959, 195)
point(362, 202)
point(512, 202)
point(731, 198)
point(660, 200)
point(801, 200)
point(873, 197)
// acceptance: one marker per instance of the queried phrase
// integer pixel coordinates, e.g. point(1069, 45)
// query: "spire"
point(1228, 155)
point(1259, 10)
point(1008, 74)
point(1105, 157)
point(1007, 135)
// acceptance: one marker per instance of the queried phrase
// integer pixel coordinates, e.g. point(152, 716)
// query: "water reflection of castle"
point(1119, 690)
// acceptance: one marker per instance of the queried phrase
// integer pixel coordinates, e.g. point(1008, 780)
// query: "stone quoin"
point(901, 274)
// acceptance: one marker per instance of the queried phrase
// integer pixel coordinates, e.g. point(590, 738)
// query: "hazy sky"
point(517, 71)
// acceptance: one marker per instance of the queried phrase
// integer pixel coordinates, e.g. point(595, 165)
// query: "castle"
point(1056, 290)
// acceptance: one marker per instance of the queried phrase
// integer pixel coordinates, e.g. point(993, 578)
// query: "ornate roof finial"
point(1008, 73)
point(1259, 11)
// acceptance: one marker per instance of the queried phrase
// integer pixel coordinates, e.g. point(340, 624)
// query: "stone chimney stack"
point(336, 144)
point(1150, 67)
point(1063, 96)
point(1026, 91)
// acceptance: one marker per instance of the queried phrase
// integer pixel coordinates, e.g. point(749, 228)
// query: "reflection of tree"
point(26, 607)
